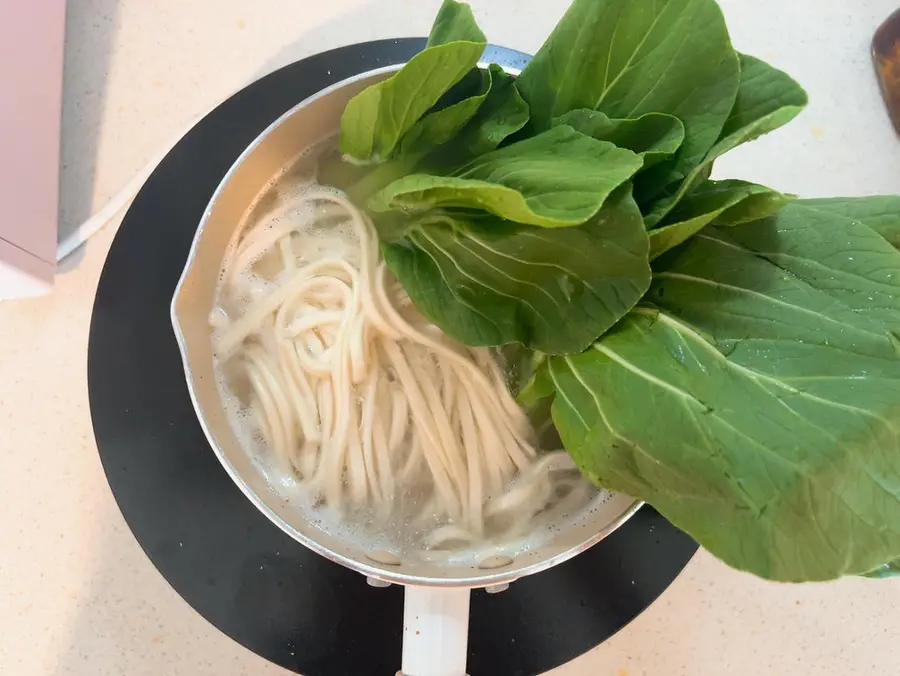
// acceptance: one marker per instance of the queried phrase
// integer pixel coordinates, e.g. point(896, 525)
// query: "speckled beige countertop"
point(77, 595)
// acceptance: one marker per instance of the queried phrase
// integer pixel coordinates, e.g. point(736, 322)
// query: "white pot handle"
point(435, 631)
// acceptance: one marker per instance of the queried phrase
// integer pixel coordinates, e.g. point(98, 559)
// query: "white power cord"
point(122, 199)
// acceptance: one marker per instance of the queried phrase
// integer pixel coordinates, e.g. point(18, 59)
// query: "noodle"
point(362, 399)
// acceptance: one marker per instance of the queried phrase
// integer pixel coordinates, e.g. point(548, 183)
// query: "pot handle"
point(435, 631)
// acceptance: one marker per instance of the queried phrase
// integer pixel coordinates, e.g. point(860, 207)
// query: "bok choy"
point(724, 351)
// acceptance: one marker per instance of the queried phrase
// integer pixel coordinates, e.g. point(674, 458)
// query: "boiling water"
point(272, 209)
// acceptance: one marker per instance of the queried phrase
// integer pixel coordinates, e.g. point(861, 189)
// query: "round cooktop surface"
point(231, 564)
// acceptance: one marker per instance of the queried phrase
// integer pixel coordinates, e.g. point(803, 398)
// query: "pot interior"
point(306, 125)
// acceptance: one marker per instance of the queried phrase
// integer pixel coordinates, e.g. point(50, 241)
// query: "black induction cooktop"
point(224, 557)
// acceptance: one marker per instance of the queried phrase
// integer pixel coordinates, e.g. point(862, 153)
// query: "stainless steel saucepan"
point(436, 593)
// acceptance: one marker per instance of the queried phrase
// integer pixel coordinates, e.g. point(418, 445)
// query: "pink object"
point(32, 34)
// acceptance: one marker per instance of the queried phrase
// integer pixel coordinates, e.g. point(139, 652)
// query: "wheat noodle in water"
point(362, 399)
